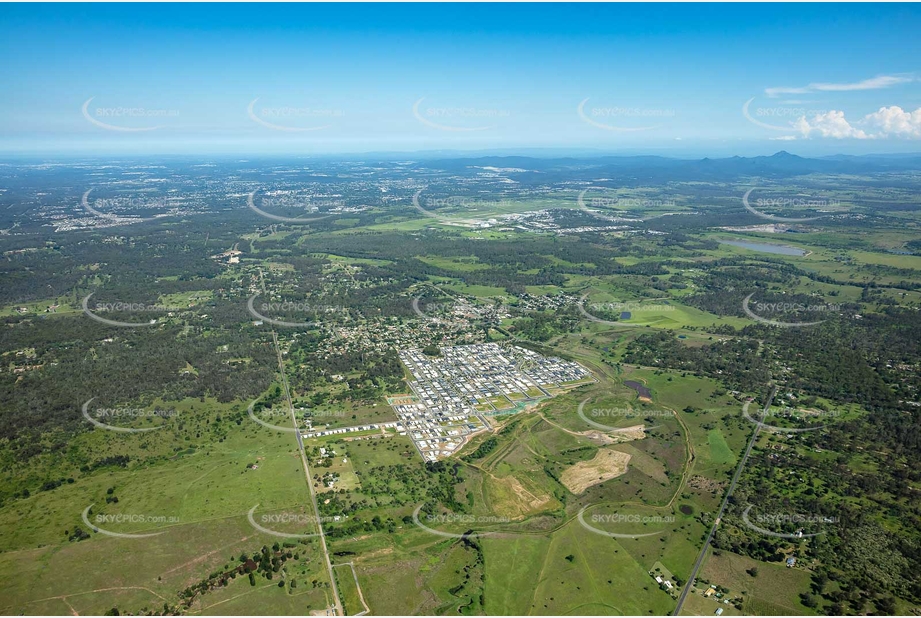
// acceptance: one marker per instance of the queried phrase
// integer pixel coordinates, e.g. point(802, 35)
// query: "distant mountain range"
point(655, 168)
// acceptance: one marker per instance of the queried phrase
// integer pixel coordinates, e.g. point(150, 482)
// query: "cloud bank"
point(887, 122)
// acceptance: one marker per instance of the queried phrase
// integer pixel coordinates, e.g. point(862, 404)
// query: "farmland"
point(484, 430)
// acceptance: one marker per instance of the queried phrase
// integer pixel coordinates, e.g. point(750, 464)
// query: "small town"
point(455, 393)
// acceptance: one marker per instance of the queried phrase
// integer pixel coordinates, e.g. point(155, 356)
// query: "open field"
point(194, 503)
point(772, 592)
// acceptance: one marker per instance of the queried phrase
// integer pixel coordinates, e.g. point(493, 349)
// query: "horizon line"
point(531, 153)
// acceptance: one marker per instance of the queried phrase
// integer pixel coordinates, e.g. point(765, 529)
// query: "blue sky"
point(317, 79)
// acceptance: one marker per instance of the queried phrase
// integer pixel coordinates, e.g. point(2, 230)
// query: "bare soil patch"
point(605, 465)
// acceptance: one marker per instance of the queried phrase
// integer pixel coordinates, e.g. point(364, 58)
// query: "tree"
point(809, 600)
point(886, 605)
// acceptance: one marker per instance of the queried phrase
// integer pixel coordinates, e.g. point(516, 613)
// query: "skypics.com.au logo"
point(789, 205)
point(168, 206)
point(250, 411)
point(127, 307)
point(292, 119)
point(123, 413)
point(622, 119)
point(631, 306)
point(457, 119)
point(268, 523)
point(781, 117)
point(126, 518)
point(786, 308)
point(628, 203)
point(799, 523)
point(300, 307)
point(292, 202)
point(620, 413)
point(602, 205)
point(789, 414)
point(289, 307)
point(625, 521)
point(123, 307)
point(593, 318)
point(465, 520)
point(474, 208)
point(124, 119)
point(429, 310)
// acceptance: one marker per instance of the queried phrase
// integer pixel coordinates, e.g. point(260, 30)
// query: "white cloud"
point(830, 124)
point(773, 92)
point(874, 83)
point(784, 138)
point(894, 120)
point(888, 122)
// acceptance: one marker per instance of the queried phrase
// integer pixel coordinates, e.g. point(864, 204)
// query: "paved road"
point(313, 496)
point(719, 516)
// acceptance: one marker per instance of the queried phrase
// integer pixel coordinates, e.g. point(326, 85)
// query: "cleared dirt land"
point(605, 465)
